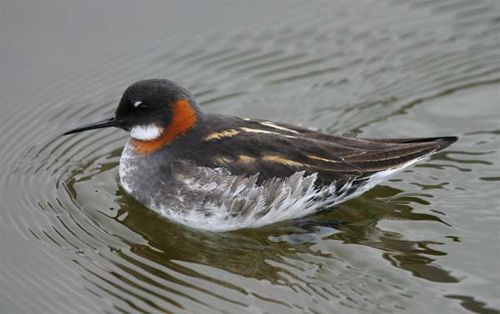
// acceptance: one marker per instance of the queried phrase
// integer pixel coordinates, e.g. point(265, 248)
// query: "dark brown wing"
point(279, 150)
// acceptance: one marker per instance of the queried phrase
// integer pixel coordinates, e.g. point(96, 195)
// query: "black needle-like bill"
point(96, 125)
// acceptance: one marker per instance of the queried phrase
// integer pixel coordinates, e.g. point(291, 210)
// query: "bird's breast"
point(128, 168)
point(141, 176)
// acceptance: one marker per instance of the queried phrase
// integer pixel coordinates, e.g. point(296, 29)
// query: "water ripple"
point(75, 242)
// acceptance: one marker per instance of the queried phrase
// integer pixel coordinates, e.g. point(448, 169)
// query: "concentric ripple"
point(71, 240)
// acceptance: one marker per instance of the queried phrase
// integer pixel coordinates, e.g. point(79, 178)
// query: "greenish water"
point(427, 241)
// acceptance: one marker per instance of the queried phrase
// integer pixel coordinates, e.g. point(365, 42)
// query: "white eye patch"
point(137, 104)
point(146, 132)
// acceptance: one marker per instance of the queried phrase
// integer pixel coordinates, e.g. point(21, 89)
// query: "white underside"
point(214, 200)
point(239, 202)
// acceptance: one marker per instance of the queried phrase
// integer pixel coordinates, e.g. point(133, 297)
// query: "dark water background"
point(428, 241)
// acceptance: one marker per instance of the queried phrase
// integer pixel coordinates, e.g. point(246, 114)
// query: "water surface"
point(71, 240)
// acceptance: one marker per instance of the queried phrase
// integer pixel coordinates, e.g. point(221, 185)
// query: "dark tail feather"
point(441, 142)
point(396, 152)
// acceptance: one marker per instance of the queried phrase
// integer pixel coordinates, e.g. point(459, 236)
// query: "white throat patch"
point(146, 132)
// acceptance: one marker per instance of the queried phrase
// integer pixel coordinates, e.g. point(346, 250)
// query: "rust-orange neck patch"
point(183, 118)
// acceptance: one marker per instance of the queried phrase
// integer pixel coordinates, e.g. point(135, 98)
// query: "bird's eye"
point(139, 105)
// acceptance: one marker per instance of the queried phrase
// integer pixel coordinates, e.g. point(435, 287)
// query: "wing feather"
point(272, 149)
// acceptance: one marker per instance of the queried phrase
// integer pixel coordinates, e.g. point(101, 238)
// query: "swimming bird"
point(219, 173)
